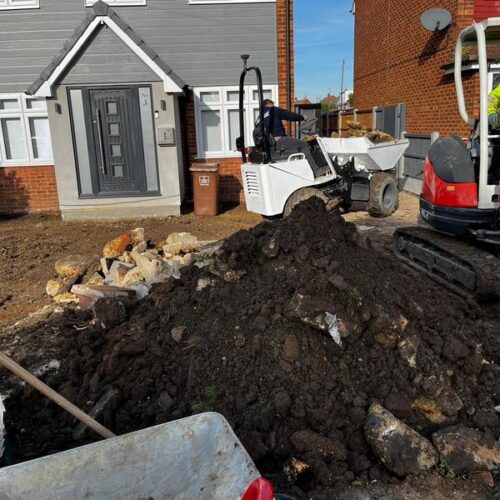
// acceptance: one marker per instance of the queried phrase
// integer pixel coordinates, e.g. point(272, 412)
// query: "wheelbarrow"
point(197, 457)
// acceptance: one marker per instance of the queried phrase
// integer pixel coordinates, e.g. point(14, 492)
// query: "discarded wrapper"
point(333, 327)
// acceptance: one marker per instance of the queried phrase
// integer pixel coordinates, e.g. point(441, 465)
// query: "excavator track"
point(459, 266)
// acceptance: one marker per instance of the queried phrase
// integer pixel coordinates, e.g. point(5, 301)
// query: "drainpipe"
point(288, 60)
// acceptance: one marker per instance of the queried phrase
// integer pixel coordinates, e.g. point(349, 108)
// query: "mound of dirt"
point(250, 335)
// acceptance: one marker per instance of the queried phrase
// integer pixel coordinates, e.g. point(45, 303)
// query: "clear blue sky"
point(324, 35)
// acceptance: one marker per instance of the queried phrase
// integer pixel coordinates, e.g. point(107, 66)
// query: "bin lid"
point(204, 167)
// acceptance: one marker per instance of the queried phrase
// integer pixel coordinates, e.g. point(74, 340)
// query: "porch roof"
point(101, 13)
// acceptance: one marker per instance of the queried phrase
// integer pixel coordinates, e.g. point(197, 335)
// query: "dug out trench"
point(252, 340)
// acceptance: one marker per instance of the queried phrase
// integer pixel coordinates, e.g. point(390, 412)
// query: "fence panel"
point(412, 170)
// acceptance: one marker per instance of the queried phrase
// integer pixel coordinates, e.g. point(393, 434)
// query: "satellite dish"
point(435, 19)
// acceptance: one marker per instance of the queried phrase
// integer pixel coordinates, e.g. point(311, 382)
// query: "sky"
point(324, 36)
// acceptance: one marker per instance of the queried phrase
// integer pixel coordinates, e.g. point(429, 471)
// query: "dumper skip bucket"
point(197, 457)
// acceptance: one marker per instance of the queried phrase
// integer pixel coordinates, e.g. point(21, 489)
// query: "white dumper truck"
point(277, 177)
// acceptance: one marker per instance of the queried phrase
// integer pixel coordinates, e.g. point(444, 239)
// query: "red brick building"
point(398, 61)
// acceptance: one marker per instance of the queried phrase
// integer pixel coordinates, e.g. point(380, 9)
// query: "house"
point(398, 61)
point(105, 105)
point(301, 102)
point(329, 102)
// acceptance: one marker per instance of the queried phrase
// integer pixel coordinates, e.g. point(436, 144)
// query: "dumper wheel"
point(302, 195)
point(384, 195)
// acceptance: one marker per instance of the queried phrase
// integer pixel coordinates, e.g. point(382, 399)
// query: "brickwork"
point(398, 61)
point(486, 8)
point(230, 168)
point(28, 190)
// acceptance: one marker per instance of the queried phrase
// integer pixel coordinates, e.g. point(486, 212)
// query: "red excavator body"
point(449, 200)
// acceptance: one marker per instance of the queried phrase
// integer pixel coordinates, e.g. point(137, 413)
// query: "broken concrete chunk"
point(355, 125)
point(117, 272)
point(180, 243)
point(387, 331)
point(116, 247)
point(104, 291)
point(178, 333)
point(137, 236)
point(141, 290)
point(72, 265)
point(293, 468)
point(152, 269)
point(408, 349)
point(140, 247)
point(186, 238)
point(465, 450)
point(271, 248)
point(66, 298)
point(105, 263)
point(328, 448)
point(95, 279)
point(132, 277)
point(58, 286)
point(401, 449)
point(204, 283)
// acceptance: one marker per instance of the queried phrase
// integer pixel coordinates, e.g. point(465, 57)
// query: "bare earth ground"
point(30, 245)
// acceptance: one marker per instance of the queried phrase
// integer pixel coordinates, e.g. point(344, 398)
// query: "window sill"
point(11, 164)
point(218, 155)
point(20, 7)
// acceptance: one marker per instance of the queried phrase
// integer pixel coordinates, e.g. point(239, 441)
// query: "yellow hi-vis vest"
point(494, 102)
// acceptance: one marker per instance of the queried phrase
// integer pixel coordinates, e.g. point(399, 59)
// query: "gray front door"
point(115, 140)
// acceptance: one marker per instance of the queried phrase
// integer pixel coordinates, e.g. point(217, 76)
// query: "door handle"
point(101, 145)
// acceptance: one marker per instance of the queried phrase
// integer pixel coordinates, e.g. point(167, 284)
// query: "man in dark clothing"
point(285, 146)
point(273, 119)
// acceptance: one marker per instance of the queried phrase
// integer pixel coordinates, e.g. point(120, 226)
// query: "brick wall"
point(230, 168)
point(398, 61)
point(28, 189)
point(486, 8)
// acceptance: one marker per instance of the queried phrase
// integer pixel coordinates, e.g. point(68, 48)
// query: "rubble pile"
point(357, 129)
point(129, 266)
point(333, 363)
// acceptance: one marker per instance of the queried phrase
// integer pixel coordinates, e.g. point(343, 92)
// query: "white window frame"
point(23, 113)
point(223, 105)
point(208, 2)
point(494, 70)
point(117, 3)
point(19, 4)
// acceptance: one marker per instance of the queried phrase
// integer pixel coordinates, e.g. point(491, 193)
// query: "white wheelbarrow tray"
point(198, 457)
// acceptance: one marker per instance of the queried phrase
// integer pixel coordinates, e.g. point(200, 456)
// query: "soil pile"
point(250, 334)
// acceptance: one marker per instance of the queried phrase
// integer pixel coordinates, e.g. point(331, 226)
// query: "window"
point(493, 80)
point(89, 3)
point(218, 119)
point(18, 4)
point(24, 130)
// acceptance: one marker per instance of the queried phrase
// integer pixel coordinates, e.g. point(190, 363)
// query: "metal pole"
point(342, 86)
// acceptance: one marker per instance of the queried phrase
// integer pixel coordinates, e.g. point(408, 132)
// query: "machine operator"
point(274, 116)
point(284, 145)
point(494, 109)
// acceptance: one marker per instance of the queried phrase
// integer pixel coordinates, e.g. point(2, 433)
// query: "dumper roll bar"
point(240, 141)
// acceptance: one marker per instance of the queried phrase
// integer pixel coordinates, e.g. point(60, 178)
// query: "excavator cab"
point(460, 193)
